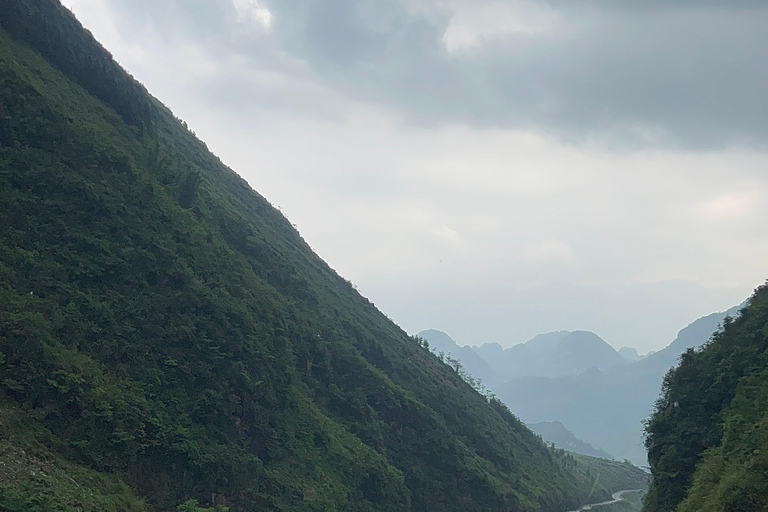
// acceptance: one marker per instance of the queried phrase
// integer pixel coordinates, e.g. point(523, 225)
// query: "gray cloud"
point(673, 73)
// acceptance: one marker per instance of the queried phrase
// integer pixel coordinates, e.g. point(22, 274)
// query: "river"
point(615, 498)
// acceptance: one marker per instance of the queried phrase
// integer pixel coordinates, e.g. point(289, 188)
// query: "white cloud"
point(729, 206)
point(251, 10)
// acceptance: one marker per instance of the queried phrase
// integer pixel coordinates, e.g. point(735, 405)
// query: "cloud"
point(443, 232)
point(729, 206)
point(621, 73)
point(548, 251)
point(251, 10)
point(472, 24)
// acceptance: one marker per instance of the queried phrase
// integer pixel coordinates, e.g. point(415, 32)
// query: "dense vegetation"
point(708, 438)
point(167, 336)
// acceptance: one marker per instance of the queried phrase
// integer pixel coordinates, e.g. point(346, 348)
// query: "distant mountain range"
point(554, 354)
point(600, 394)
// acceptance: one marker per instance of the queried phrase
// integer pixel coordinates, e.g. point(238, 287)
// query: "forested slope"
point(166, 334)
point(708, 438)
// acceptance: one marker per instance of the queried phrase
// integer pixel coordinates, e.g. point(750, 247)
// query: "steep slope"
point(163, 326)
point(707, 441)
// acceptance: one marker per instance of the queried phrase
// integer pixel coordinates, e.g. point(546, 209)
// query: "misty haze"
point(391, 255)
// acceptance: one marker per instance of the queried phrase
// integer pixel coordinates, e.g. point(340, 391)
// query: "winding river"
point(615, 498)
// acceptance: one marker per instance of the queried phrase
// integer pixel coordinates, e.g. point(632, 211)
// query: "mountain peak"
point(629, 354)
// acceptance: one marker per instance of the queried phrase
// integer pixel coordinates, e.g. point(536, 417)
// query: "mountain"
point(706, 440)
point(692, 336)
point(552, 354)
point(489, 351)
point(544, 342)
point(606, 407)
point(555, 432)
point(629, 354)
point(472, 362)
point(168, 339)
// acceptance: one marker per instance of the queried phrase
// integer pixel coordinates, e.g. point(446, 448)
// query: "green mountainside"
point(166, 335)
point(708, 437)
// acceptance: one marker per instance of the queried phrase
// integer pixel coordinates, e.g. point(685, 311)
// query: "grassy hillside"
point(166, 335)
point(707, 441)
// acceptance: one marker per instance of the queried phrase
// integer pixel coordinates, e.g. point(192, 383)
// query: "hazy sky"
point(494, 169)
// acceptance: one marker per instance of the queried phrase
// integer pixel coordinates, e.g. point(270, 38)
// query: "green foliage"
point(707, 439)
point(32, 478)
point(192, 505)
point(168, 331)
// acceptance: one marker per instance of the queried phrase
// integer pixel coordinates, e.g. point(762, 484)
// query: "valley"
point(603, 399)
point(170, 341)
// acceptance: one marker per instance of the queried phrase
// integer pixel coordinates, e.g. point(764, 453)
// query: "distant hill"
point(472, 362)
point(606, 407)
point(553, 354)
point(629, 354)
point(555, 432)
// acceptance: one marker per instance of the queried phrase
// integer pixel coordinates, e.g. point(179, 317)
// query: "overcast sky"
point(493, 169)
